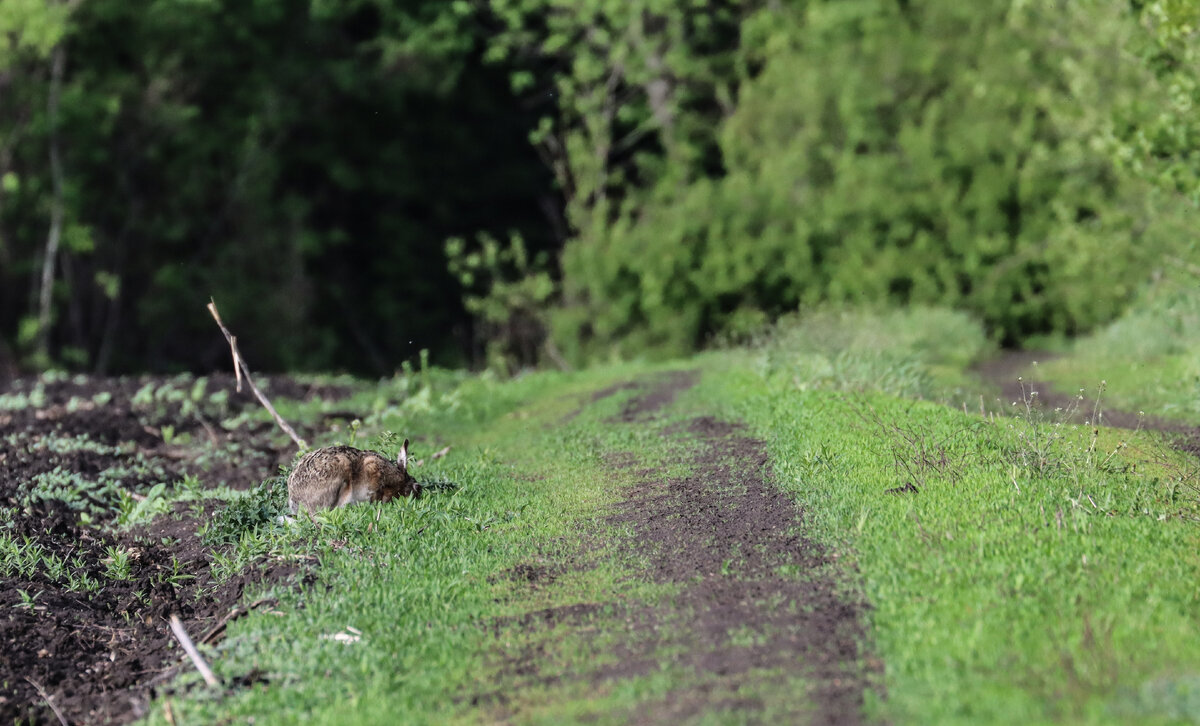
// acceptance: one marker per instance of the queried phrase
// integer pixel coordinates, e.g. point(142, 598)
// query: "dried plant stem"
point(240, 367)
point(237, 612)
point(190, 648)
point(46, 697)
point(168, 712)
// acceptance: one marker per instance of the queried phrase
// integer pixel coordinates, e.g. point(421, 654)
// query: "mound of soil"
point(88, 635)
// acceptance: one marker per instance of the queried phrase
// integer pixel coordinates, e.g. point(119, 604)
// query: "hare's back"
point(324, 463)
point(343, 463)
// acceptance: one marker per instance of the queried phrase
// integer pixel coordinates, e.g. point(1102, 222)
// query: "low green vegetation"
point(397, 631)
point(1149, 357)
point(1018, 568)
point(1040, 573)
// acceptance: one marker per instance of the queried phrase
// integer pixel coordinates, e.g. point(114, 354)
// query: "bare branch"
point(240, 367)
point(58, 62)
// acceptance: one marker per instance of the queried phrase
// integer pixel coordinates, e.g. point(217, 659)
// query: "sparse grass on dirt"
point(103, 484)
point(1149, 358)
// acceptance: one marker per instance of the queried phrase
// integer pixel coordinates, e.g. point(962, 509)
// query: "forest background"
point(523, 182)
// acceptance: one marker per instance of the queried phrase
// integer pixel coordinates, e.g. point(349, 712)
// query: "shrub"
point(940, 152)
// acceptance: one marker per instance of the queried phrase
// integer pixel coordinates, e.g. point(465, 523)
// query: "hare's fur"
point(336, 476)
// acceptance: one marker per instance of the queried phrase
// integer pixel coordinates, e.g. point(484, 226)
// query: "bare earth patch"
point(100, 655)
point(758, 600)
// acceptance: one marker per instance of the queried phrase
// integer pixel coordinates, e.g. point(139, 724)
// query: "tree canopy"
point(513, 181)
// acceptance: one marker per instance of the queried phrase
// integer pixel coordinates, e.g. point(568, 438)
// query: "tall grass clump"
point(917, 352)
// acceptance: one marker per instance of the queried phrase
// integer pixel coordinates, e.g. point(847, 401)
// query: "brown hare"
point(339, 475)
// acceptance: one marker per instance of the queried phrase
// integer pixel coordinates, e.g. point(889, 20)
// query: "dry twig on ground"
point(46, 697)
point(190, 648)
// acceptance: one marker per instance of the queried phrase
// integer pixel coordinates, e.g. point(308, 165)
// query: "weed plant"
point(917, 353)
point(259, 510)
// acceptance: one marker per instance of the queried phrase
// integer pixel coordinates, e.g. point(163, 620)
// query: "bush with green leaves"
point(507, 290)
point(957, 153)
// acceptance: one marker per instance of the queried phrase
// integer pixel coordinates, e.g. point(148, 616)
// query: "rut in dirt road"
point(758, 601)
point(723, 533)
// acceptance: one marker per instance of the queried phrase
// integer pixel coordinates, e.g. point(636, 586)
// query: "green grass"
point(994, 601)
point(1042, 574)
point(419, 578)
point(1149, 358)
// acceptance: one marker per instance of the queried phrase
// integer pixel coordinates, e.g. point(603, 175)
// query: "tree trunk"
point(57, 64)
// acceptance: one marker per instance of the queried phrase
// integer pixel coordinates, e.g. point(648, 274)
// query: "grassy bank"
point(1018, 569)
point(1149, 357)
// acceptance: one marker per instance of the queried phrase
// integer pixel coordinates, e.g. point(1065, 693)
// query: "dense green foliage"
point(301, 162)
point(968, 153)
point(705, 166)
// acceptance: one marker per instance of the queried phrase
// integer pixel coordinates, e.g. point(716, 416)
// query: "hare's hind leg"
point(345, 494)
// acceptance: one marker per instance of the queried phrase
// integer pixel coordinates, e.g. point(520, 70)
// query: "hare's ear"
point(402, 457)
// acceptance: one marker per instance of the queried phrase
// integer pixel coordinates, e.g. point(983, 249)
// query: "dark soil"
point(733, 544)
point(656, 395)
point(100, 654)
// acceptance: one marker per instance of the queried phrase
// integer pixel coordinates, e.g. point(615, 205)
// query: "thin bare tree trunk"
point(58, 63)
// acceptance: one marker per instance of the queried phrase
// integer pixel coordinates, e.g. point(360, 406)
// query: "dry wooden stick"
point(237, 612)
point(46, 697)
point(240, 367)
point(190, 648)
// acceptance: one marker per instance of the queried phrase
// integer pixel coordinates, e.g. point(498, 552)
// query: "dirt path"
point(758, 600)
point(1007, 372)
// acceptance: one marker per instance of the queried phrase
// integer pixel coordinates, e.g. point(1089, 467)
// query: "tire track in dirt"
point(725, 535)
point(1005, 372)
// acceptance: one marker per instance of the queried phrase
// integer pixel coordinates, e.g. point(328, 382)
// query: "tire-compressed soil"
point(1004, 373)
point(757, 598)
point(657, 395)
point(99, 654)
